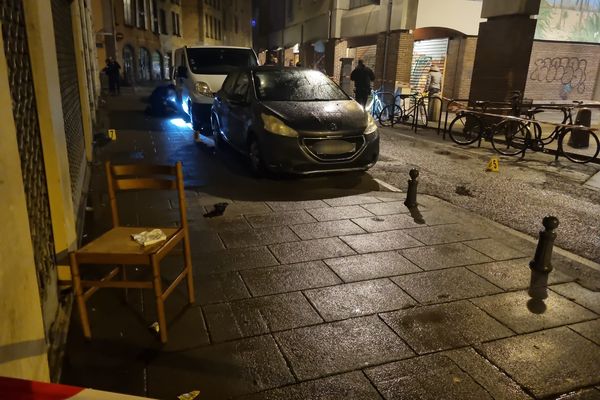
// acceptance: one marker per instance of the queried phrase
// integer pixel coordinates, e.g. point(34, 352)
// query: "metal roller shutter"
point(69, 93)
point(30, 149)
point(425, 54)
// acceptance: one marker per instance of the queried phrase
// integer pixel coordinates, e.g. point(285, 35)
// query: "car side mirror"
point(182, 71)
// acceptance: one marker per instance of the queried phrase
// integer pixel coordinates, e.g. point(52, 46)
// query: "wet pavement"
point(327, 288)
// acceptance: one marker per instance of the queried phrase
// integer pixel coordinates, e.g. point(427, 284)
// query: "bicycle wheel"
point(422, 117)
point(465, 129)
point(576, 148)
point(390, 111)
point(510, 137)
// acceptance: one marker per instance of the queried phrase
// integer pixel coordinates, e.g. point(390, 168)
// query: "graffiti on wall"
point(569, 71)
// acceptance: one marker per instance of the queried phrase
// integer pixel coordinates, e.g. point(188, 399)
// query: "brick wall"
point(399, 60)
point(562, 71)
point(339, 52)
point(467, 59)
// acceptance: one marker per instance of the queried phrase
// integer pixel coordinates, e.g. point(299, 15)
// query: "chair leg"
point(124, 278)
point(160, 304)
point(83, 315)
point(188, 266)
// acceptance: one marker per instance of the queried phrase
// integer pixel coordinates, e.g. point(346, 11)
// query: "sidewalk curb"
point(588, 263)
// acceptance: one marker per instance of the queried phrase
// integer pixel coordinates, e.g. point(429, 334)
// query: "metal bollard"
point(542, 261)
point(541, 265)
point(411, 193)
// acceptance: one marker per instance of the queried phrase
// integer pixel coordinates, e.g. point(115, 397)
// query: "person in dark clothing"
point(362, 77)
point(112, 71)
point(162, 101)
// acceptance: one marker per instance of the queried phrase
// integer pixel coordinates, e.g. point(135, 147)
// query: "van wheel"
point(256, 161)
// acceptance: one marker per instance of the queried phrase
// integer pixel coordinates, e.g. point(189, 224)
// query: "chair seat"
point(118, 247)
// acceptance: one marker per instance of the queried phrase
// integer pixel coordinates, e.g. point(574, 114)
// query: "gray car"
point(293, 120)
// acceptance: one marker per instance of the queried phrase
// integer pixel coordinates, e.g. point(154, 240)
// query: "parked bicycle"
point(399, 112)
point(377, 101)
point(569, 140)
point(513, 136)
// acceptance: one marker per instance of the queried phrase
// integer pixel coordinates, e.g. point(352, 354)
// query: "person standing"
point(362, 76)
point(434, 81)
point(112, 70)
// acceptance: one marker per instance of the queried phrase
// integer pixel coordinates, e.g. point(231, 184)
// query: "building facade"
point(140, 34)
point(48, 92)
point(217, 22)
point(401, 39)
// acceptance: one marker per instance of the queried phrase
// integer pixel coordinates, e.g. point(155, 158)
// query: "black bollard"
point(541, 265)
point(542, 261)
point(411, 193)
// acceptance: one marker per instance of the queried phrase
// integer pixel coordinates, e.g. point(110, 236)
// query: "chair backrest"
point(142, 177)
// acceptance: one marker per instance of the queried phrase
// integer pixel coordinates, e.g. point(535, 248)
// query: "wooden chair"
point(116, 247)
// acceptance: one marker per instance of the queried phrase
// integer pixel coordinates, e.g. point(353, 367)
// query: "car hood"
point(320, 117)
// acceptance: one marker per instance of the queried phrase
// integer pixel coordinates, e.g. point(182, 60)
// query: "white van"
point(199, 73)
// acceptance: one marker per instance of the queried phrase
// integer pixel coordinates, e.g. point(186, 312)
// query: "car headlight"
point(203, 89)
point(371, 125)
point(277, 126)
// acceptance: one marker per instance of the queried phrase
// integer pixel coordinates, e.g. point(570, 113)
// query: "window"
point(236, 23)
point(219, 61)
point(296, 85)
point(141, 14)
point(212, 27)
point(154, 16)
point(175, 23)
point(206, 25)
point(163, 22)
point(290, 10)
point(128, 12)
point(362, 3)
point(229, 83)
point(219, 30)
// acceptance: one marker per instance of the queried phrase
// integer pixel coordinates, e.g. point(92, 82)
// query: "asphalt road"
point(518, 196)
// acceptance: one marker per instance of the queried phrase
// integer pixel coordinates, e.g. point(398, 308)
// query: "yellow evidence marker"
point(493, 165)
point(112, 134)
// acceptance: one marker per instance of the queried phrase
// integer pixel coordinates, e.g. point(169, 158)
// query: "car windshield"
point(219, 61)
point(296, 85)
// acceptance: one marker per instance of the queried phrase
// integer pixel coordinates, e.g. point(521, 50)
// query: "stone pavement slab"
point(353, 385)
point(494, 381)
point(444, 326)
point(335, 213)
point(243, 208)
point(217, 288)
point(585, 394)
point(430, 377)
point(220, 371)
point(386, 223)
point(547, 363)
point(234, 260)
point(358, 298)
point(387, 208)
point(279, 218)
point(296, 205)
point(513, 274)
point(259, 315)
point(309, 250)
point(589, 329)
point(325, 229)
point(512, 309)
point(495, 249)
point(289, 278)
point(204, 241)
point(380, 241)
point(258, 237)
point(445, 285)
point(370, 266)
point(351, 200)
point(445, 234)
point(580, 295)
point(444, 256)
point(340, 346)
point(221, 224)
